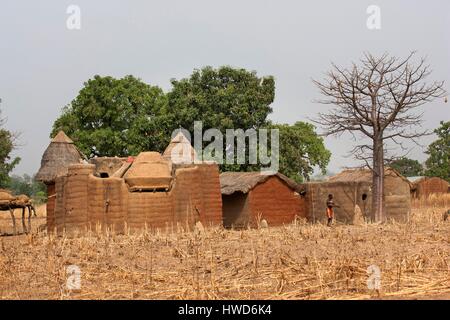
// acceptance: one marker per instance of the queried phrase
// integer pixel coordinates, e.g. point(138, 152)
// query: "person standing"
point(330, 209)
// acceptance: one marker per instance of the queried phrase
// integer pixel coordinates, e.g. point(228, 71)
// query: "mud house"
point(397, 194)
point(249, 197)
point(132, 194)
point(426, 186)
point(59, 155)
point(353, 198)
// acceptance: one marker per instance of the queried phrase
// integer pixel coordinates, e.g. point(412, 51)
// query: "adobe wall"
point(50, 205)
point(275, 202)
point(212, 197)
point(428, 186)
point(345, 195)
point(84, 201)
point(397, 196)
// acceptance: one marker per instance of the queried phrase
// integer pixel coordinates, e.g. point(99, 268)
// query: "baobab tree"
point(377, 101)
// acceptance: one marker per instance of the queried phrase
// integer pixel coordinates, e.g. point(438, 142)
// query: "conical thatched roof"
point(61, 137)
point(56, 159)
point(180, 150)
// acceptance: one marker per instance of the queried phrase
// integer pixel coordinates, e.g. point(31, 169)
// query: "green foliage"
point(116, 117)
point(438, 162)
point(301, 149)
point(40, 197)
point(6, 147)
point(26, 185)
point(123, 117)
point(407, 167)
point(222, 98)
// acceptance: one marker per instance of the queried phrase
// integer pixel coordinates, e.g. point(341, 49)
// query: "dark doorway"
point(235, 210)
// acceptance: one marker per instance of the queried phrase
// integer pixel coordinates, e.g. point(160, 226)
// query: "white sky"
point(43, 64)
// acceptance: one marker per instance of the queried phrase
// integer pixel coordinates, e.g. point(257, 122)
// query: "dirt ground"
point(298, 261)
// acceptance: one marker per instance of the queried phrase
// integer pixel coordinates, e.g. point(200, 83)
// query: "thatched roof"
point(231, 182)
point(426, 178)
point(434, 180)
point(180, 150)
point(57, 157)
point(5, 196)
point(61, 137)
point(363, 175)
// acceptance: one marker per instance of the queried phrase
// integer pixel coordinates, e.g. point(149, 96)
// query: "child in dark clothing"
point(330, 211)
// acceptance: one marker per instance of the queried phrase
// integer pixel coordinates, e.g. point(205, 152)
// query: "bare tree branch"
point(378, 99)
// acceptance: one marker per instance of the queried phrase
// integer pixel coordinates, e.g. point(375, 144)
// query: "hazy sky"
point(43, 64)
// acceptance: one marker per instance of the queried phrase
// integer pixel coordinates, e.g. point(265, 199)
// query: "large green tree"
point(222, 98)
point(229, 98)
point(438, 162)
point(407, 167)
point(301, 149)
point(126, 116)
point(7, 163)
point(116, 117)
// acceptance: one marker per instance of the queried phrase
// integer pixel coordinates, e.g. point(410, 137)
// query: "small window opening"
point(104, 175)
point(364, 197)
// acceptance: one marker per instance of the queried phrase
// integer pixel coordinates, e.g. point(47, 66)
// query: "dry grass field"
point(298, 261)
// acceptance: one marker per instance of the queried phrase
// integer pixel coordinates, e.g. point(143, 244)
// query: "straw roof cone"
point(180, 150)
point(57, 157)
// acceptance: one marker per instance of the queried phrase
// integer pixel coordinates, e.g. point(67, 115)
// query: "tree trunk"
point(378, 214)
